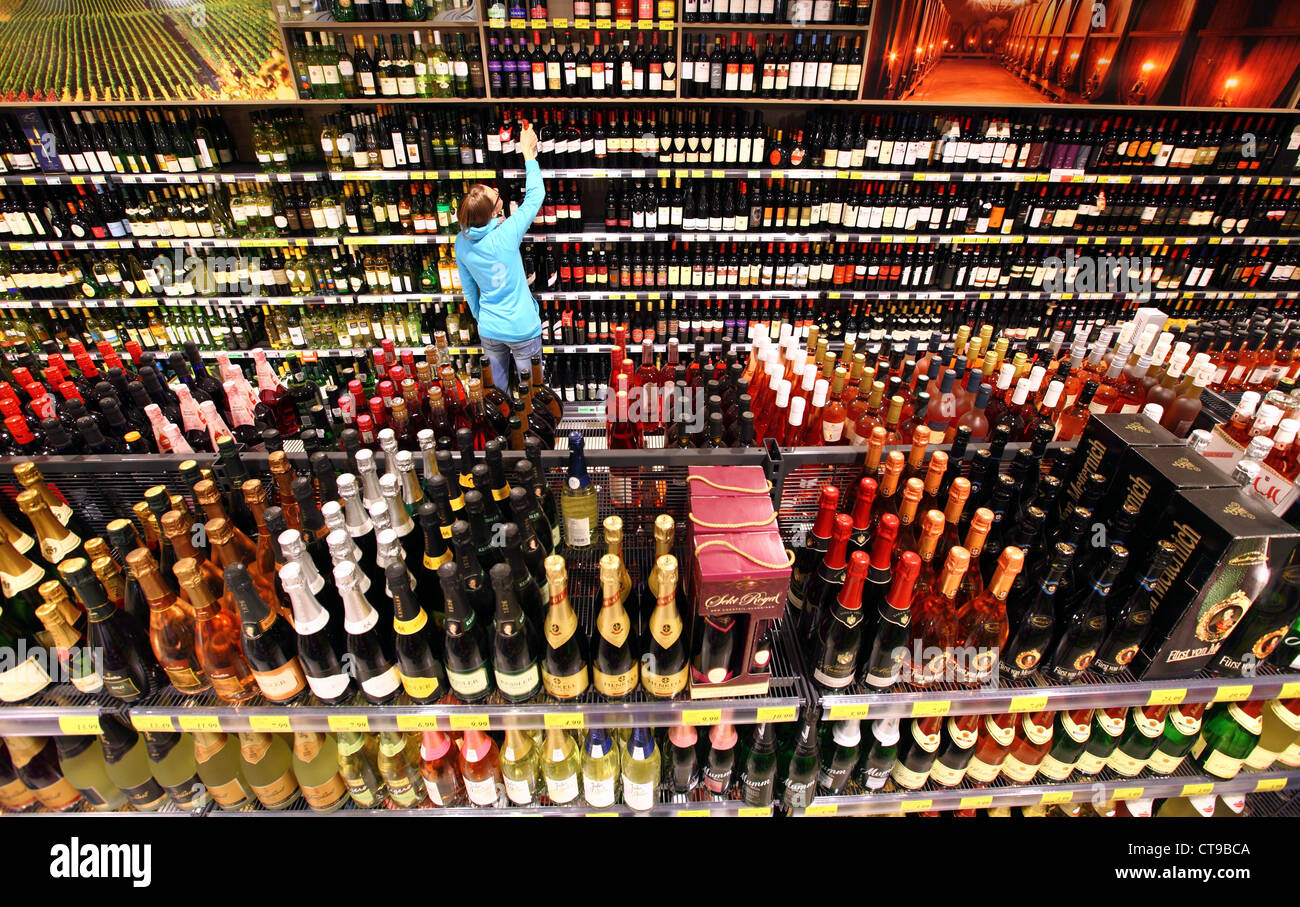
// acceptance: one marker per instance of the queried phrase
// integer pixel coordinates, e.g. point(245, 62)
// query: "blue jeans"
point(499, 351)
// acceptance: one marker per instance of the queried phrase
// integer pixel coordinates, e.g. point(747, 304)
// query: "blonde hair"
point(476, 207)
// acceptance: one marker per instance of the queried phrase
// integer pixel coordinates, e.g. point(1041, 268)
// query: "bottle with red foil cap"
point(480, 766)
point(438, 766)
point(24, 442)
point(839, 634)
point(889, 654)
point(825, 584)
point(860, 538)
point(815, 546)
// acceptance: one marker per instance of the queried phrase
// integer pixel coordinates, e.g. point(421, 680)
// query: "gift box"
point(1105, 440)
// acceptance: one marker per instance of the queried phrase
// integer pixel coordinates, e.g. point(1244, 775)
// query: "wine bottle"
point(127, 764)
point(171, 627)
point(128, 668)
point(36, 765)
point(520, 767)
point(371, 652)
point(758, 780)
point(839, 637)
point(171, 761)
point(318, 652)
point(665, 664)
point(1033, 614)
point(561, 766)
point(467, 664)
point(220, 768)
point(880, 756)
point(801, 773)
point(359, 768)
point(1128, 625)
point(216, 637)
point(480, 766)
point(399, 766)
point(267, 764)
point(514, 642)
point(578, 499)
point(1086, 629)
point(684, 768)
point(81, 760)
point(268, 641)
point(564, 660)
point(888, 656)
point(640, 761)
point(839, 760)
point(316, 768)
point(419, 659)
point(614, 666)
point(442, 781)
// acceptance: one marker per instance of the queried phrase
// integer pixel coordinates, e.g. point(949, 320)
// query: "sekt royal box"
point(1227, 549)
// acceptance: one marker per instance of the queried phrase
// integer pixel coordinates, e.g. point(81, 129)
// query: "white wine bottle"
point(640, 758)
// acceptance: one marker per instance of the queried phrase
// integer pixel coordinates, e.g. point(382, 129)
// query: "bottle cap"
point(847, 733)
point(885, 730)
point(722, 736)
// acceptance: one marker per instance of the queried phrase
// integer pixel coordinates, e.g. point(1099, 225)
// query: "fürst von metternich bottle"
point(129, 670)
point(515, 642)
point(316, 766)
point(359, 768)
point(614, 665)
point(564, 657)
point(268, 768)
point(217, 761)
point(599, 768)
point(373, 662)
point(1086, 629)
point(469, 672)
point(1033, 615)
point(419, 657)
point(640, 769)
point(317, 654)
point(1128, 624)
point(665, 665)
point(127, 764)
point(758, 780)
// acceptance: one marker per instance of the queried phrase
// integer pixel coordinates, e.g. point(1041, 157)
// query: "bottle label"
point(983, 771)
point(1090, 763)
point(420, 688)
point(382, 685)
point(908, 778)
point(1018, 771)
point(664, 686)
point(29, 678)
point(520, 684)
point(615, 685)
point(190, 794)
point(946, 775)
point(363, 793)
point(638, 794)
point(578, 531)
point(12, 584)
point(283, 683)
point(58, 796)
point(1054, 768)
point(562, 790)
point(568, 687)
point(469, 684)
point(278, 793)
point(330, 687)
point(832, 432)
point(519, 791)
point(404, 791)
point(1217, 763)
point(1125, 764)
point(16, 796)
point(598, 792)
point(665, 626)
point(1163, 763)
point(561, 624)
point(184, 679)
point(56, 550)
point(484, 793)
point(229, 687)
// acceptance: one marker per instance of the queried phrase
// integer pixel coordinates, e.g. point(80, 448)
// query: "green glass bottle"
point(82, 762)
point(171, 761)
point(1146, 726)
point(1103, 737)
point(520, 767)
point(1182, 729)
point(599, 768)
point(316, 766)
point(1228, 734)
point(267, 762)
point(217, 761)
point(640, 765)
point(359, 766)
point(561, 765)
point(127, 764)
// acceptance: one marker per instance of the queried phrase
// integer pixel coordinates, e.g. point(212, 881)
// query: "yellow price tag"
point(908, 806)
point(697, 174)
point(1197, 790)
point(1028, 703)
point(930, 708)
point(1167, 697)
point(470, 722)
point(29, 181)
point(777, 713)
point(719, 174)
point(563, 719)
point(455, 174)
point(582, 23)
point(848, 712)
point(667, 25)
point(561, 23)
point(693, 813)
point(278, 723)
point(701, 716)
point(644, 25)
point(152, 723)
point(538, 23)
point(1289, 690)
point(977, 802)
point(79, 724)
point(754, 812)
point(821, 809)
point(1127, 793)
point(663, 174)
point(778, 174)
point(623, 24)
point(1057, 796)
point(600, 815)
point(1236, 693)
point(199, 723)
point(349, 723)
point(519, 24)
point(1271, 784)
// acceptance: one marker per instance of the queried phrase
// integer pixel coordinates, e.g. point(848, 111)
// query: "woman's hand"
point(528, 143)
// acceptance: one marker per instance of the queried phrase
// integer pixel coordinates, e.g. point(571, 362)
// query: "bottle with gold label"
point(1279, 739)
point(419, 659)
point(30, 478)
point(399, 766)
point(991, 745)
point(171, 762)
point(1069, 737)
point(219, 766)
point(564, 659)
point(36, 764)
point(15, 796)
point(359, 768)
point(1229, 732)
point(614, 666)
point(666, 663)
point(16, 537)
point(76, 660)
point(561, 765)
point(1103, 737)
point(316, 766)
point(127, 663)
point(81, 759)
point(216, 637)
point(20, 578)
point(124, 538)
point(127, 764)
point(1145, 727)
point(647, 595)
point(171, 627)
point(267, 763)
point(918, 747)
point(515, 642)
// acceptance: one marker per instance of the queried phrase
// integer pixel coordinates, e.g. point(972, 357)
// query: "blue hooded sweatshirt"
point(492, 272)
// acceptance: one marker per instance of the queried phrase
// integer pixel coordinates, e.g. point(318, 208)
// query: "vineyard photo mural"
point(140, 50)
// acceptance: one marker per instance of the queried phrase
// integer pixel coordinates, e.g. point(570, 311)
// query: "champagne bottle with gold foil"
point(76, 660)
point(179, 531)
point(19, 539)
point(647, 595)
point(359, 767)
point(36, 763)
point(127, 665)
point(216, 637)
point(283, 474)
point(15, 796)
point(159, 504)
point(220, 767)
point(666, 662)
point(399, 766)
point(30, 478)
point(55, 541)
point(316, 766)
point(124, 538)
point(268, 768)
point(613, 527)
point(614, 667)
point(564, 662)
point(171, 628)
